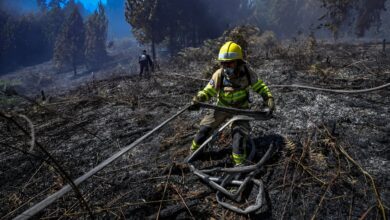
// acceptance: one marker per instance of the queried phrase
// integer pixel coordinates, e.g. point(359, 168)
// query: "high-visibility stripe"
point(210, 90)
point(194, 145)
point(262, 89)
point(202, 93)
point(228, 55)
point(258, 85)
point(234, 97)
point(239, 158)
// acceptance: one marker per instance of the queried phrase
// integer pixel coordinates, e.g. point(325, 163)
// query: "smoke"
point(117, 25)
point(18, 6)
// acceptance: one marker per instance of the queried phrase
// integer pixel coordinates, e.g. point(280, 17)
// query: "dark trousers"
point(144, 68)
point(240, 131)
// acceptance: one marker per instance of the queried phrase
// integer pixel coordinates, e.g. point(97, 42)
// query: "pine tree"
point(52, 22)
point(147, 24)
point(95, 38)
point(69, 46)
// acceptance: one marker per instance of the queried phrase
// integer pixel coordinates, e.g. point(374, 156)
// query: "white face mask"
point(228, 71)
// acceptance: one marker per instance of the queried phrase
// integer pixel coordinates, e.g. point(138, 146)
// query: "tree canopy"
point(96, 37)
point(69, 46)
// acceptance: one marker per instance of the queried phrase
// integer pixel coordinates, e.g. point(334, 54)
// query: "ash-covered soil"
point(332, 158)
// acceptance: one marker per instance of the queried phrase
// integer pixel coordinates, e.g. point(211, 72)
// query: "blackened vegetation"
point(332, 160)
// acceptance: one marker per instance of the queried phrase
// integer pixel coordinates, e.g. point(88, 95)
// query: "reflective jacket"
point(234, 92)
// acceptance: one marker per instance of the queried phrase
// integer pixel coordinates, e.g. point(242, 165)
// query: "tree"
point(69, 46)
point(183, 23)
point(52, 22)
point(147, 24)
point(22, 41)
point(361, 14)
point(96, 37)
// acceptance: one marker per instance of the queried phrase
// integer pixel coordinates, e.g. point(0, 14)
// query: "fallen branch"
point(184, 203)
point(56, 165)
point(165, 189)
point(364, 215)
point(330, 184)
point(378, 197)
point(32, 131)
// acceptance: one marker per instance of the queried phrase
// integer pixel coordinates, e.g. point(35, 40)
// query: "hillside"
point(331, 159)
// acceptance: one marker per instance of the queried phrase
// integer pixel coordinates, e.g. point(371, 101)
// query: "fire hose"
point(53, 197)
point(220, 183)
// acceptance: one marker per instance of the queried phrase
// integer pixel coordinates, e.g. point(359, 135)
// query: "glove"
point(270, 104)
point(194, 105)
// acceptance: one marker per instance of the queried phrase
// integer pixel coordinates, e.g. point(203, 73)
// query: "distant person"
point(144, 63)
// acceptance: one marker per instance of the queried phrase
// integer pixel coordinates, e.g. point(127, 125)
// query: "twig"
point(350, 207)
point(328, 188)
point(294, 178)
point(165, 189)
point(285, 169)
point(308, 171)
point(27, 202)
point(185, 204)
point(32, 131)
point(378, 198)
point(56, 165)
point(364, 215)
point(76, 204)
point(28, 182)
point(365, 174)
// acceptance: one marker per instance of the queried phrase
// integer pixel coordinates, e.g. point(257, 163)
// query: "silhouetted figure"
point(145, 62)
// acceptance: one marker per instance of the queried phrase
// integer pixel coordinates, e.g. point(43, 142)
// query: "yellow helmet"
point(230, 51)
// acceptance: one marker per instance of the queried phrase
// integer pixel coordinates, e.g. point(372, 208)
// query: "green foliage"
point(95, 38)
point(69, 46)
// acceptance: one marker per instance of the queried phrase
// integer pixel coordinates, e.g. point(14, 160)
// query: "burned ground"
point(329, 145)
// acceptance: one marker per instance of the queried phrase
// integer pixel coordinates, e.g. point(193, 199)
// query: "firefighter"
point(230, 84)
point(145, 62)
